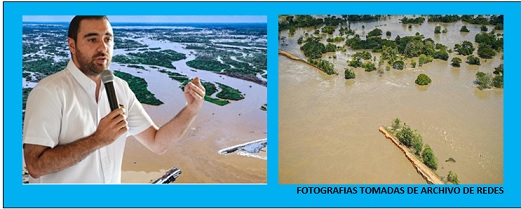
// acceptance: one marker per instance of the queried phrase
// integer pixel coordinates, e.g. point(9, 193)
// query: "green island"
point(394, 53)
point(231, 64)
point(126, 43)
point(229, 93)
point(414, 142)
point(42, 67)
point(163, 58)
point(224, 96)
point(139, 87)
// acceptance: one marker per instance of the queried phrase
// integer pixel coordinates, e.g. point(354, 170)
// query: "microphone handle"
point(111, 95)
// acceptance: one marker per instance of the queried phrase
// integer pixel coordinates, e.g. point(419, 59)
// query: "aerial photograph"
point(390, 99)
point(157, 56)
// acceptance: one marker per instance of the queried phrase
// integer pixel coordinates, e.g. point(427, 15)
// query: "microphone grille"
point(107, 76)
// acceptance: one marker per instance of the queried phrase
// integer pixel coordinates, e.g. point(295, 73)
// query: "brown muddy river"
point(328, 126)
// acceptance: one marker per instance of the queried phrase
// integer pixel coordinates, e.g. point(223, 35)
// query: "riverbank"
point(293, 57)
point(421, 168)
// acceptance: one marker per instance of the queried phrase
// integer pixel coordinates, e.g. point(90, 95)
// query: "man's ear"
point(72, 45)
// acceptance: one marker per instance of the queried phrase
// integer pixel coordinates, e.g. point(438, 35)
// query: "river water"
point(328, 126)
point(216, 127)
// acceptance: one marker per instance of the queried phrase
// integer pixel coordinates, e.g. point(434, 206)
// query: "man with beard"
point(70, 134)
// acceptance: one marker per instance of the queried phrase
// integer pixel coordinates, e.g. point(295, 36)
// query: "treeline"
point(415, 20)
point(472, 19)
point(414, 141)
point(291, 22)
point(323, 65)
point(163, 58)
point(314, 49)
point(42, 67)
point(488, 80)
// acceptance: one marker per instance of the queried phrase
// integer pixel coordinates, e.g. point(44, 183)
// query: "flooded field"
point(328, 126)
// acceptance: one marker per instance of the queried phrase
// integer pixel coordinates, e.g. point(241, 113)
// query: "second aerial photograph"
point(391, 99)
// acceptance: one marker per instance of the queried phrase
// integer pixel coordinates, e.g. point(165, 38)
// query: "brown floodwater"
point(328, 126)
point(215, 128)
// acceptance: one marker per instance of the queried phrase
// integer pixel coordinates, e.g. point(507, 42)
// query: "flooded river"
point(328, 126)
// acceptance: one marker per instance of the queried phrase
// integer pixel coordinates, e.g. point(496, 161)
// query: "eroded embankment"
point(421, 168)
point(293, 57)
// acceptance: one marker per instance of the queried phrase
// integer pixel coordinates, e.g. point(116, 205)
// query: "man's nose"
point(102, 47)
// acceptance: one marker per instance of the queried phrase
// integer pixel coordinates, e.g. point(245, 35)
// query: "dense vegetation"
point(323, 65)
point(456, 62)
point(397, 53)
point(349, 74)
point(488, 80)
point(417, 20)
point(207, 63)
point(229, 93)
point(413, 140)
point(139, 87)
point(428, 158)
point(423, 79)
point(472, 60)
point(163, 58)
point(452, 177)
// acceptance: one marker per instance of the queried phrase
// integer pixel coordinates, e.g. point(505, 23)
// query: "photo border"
point(271, 194)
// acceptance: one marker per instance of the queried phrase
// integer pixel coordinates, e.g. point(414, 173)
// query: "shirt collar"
point(84, 81)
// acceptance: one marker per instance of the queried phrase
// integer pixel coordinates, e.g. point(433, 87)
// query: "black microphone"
point(108, 79)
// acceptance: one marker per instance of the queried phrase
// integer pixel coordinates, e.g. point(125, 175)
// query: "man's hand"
point(111, 127)
point(42, 160)
point(194, 94)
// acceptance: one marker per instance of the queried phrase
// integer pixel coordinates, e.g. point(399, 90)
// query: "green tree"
point(497, 81)
point(485, 51)
point(472, 60)
point(423, 79)
point(349, 74)
point(453, 177)
point(437, 29)
point(429, 158)
point(484, 28)
point(369, 66)
point(456, 62)
point(355, 62)
point(483, 80)
point(399, 65)
point(388, 33)
point(375, 32)
point(424, 59)
point(328, 29)
point(466, 48)
point(396, 124)
point(405, 135)
point(464, 29)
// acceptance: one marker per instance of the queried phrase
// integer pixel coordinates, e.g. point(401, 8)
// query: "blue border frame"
point(272, 194)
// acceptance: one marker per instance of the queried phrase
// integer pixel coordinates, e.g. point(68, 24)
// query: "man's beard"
point(88, 66)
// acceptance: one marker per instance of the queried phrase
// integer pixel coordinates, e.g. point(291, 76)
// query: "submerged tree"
point(483, 80)
point(456, 62)
point(453, 177)
point(349, 74)
point(423, 79)
point(428, 158)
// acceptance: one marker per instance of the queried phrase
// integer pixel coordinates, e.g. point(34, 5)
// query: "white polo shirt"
point(62, 108)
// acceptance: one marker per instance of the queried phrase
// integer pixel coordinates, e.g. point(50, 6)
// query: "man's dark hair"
point(74, 26)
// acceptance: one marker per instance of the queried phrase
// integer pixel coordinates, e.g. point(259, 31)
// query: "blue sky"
point(159, 19)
